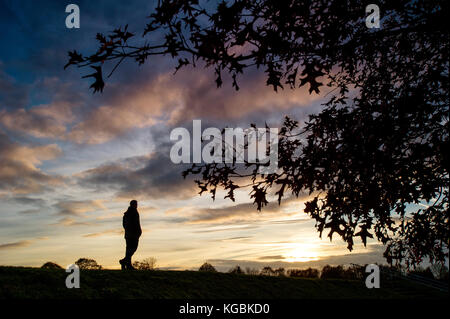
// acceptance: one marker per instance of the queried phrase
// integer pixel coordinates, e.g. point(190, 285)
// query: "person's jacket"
point(131, 223)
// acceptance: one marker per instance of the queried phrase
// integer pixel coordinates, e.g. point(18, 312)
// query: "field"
point(37, 283)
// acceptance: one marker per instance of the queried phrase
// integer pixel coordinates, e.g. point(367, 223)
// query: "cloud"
point(20, 244)
point(30, 211)
point(38, 204)
point(19, 173)
point(17, 244)
point(67, 221)
point(74, 115)
point(48, 120)
point(246, 211)
point(78, 207)
point(105, 232)
point(176, 99)
point(153, 176)
point(23, 200)
point(216, 229)
point(202, 99)
point(238, 238)
point(127, 107)
point(373, 254)
point(276, 257)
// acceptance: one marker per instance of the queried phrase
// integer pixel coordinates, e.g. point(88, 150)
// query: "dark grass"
point(37, 283)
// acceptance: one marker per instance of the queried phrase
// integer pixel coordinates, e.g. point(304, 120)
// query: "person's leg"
point(124, 262)
point(132, 244)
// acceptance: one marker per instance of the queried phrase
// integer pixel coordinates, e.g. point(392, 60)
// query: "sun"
point(301, 253)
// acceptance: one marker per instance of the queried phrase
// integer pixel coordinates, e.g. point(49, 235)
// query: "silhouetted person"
point(133, 231)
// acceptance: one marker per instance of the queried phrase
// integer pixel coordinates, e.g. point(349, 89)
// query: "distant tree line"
point(90, 264)
point(353, 272)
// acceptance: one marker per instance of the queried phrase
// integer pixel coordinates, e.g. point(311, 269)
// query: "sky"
point(71, 160)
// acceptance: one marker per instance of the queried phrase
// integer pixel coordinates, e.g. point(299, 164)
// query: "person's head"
point(133, 203)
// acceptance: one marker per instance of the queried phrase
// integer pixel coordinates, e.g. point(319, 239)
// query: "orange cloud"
point(290, 207)
point(47, 121)
point(78, 207)
point(19, 172)
point(167, 98)
point(174, 99)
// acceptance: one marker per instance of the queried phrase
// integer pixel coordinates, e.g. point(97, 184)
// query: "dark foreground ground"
point(36, 283)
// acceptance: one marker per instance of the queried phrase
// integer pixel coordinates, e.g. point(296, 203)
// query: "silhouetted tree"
point(336, 272)
point(146, 264)
point(51, 265)
point(236, 270)
point(440, 271)
point(89, 264)
point(267, 271)
point(355, 272)
point(281, 272)
point(251, 271)
point(304, 273)
point(207, 267)
point(341, 272)
point(381, 142)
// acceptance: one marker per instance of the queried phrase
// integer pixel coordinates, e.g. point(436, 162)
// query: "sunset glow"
point(71, 161)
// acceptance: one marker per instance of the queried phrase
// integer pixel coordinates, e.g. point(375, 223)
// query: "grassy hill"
point(36, 283)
